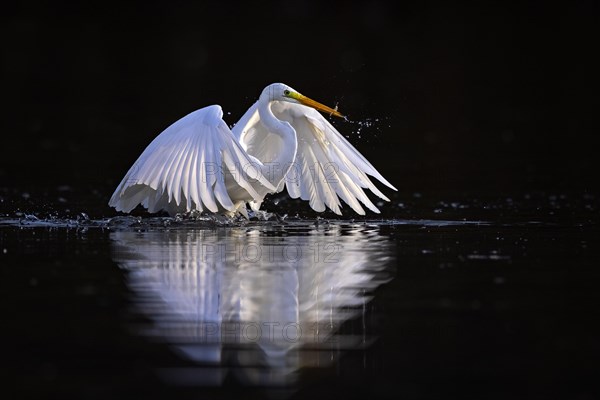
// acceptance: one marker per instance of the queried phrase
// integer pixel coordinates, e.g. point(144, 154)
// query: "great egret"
point(198, 163)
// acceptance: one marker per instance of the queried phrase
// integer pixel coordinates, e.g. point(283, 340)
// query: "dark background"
point(468, 96)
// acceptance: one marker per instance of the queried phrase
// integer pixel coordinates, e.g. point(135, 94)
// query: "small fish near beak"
point(316, 105)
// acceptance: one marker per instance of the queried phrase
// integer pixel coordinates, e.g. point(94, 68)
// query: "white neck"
point(276, 168)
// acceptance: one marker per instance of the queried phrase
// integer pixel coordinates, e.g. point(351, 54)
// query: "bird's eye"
point(286, 92)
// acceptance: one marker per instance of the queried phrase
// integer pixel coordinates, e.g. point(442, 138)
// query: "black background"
point(467, 96)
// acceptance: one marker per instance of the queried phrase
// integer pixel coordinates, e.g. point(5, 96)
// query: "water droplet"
point(31, 218)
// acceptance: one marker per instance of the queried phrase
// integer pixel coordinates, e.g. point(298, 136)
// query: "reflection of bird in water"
point(198, 163)
point(237, 286)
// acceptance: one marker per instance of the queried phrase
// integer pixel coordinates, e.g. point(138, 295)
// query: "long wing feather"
point(186, 166)
point(338, 170)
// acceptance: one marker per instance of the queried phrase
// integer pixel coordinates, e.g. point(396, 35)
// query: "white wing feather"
point(195, 163)
point(338, 170)
point(326, 168)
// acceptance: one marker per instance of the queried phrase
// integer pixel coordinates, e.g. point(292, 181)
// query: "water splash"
point(181, 221)
point(372, 125)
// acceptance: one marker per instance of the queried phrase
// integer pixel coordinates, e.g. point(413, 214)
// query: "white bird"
point(198, 163)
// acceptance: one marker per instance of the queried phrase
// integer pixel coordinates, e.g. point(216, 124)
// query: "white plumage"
point(198, 163)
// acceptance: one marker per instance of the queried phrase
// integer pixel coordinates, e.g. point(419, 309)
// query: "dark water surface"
point(471, 297)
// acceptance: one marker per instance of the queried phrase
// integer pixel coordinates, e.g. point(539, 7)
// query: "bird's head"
point(282, 92)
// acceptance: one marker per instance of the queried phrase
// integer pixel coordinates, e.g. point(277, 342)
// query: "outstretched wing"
point(196, 163)
point(327, 167)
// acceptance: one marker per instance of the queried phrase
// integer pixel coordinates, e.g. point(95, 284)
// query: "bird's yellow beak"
point(315, 104)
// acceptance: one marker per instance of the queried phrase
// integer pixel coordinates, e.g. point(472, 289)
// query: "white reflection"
point(260, 302)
